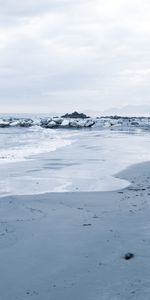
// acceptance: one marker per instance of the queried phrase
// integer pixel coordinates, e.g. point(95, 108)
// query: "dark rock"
point(4, 124)
point(44, 122)
point(134, 123)
point(58, 120)
point(76, 115)
point(128, 256)
point(89, 123)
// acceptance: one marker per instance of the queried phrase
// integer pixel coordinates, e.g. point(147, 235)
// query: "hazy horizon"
point(139, 110)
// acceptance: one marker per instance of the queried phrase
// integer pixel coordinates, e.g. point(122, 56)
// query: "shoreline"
point(88, 164)
point(64, 246)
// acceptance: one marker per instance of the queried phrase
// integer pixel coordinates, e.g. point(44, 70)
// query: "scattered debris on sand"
point(128, 256)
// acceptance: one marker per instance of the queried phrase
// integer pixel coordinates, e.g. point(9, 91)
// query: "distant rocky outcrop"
point(76, 115)
point(79, 121)
point(16, 122)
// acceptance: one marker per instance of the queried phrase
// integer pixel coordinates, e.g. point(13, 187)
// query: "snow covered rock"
point(26, 123)
point(51, 124)
point(65, 123)
point(4, 123)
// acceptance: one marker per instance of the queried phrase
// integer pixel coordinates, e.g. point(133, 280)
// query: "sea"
point(40, 160)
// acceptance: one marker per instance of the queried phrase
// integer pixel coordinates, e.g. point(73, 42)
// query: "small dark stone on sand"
point(128, 256)
point(28, 293)
point(95, 217)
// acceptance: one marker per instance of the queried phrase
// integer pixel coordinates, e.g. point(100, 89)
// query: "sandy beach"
point(75, 150)
point(62, 246)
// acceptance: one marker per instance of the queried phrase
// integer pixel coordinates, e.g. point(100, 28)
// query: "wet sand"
point(69, 246)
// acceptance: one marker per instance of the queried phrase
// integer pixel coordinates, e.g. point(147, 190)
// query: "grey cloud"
point(73, 54)
point(27, 8)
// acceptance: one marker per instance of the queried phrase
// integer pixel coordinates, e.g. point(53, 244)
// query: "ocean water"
point(36, 160)
point(18, 144)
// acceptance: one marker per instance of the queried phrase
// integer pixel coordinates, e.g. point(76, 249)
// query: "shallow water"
point(17, 144)
point(46, 160)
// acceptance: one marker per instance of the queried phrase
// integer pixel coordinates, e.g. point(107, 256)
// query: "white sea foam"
point(22, 144)
point(88, 165)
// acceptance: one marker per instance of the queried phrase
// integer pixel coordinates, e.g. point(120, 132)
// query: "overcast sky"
point(64, 55)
